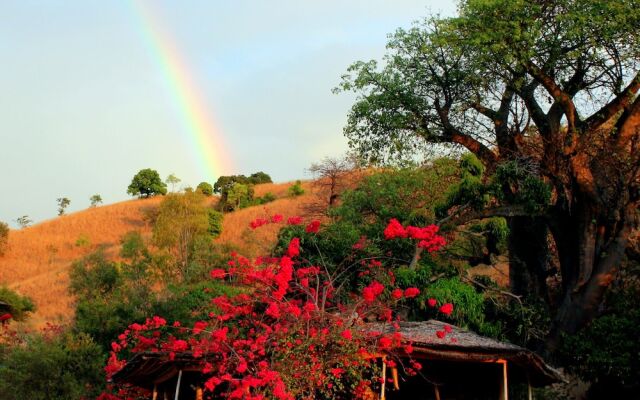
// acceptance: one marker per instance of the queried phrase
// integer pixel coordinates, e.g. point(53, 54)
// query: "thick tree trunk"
point(590, 248)
point(528, 256)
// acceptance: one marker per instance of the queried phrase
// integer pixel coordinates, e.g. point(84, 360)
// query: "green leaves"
point(147, 183)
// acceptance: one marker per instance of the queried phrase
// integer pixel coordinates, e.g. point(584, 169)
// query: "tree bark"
point(528, 256)
point(588, 263)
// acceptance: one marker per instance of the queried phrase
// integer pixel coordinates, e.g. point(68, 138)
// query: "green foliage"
point(267, 198)
point(237, 197)
point(63, 203)
point(94, 276)
point(295, 189)
point(83, 240)
point(191, 302)
point(18, 306)
point(225, 183)
point(52, 368)
point(110, 296)
point(4, 237)
point(181, 219)
point(469, 304)
point(215, 223)
point(607, 350)
point(172, 180)
point(470, 190)
point(95, 200)
point(236, 191)
point(406, 194)
point(147, 183)
point(259, 177)
point(24, 221)
point(205, 188)
point(132, 246)
point(514, 183)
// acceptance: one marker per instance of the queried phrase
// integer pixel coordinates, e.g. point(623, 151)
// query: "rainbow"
point(205, 138)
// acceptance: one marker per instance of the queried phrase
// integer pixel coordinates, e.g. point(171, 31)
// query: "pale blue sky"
point(84, 105)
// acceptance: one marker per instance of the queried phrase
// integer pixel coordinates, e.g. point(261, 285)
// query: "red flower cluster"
point(427, 236)
point(285, 336)
point(258, 222)
point(313, 227)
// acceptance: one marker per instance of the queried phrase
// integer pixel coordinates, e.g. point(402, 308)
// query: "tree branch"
point(615, 106)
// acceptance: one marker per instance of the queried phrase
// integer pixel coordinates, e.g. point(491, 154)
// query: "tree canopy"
point(147, 183)
point(544, 93)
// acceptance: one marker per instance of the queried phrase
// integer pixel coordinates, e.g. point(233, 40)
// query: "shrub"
point(215, 223)
point(52, 368)
point(16, 305)
point(206, 188)
point(295, 189)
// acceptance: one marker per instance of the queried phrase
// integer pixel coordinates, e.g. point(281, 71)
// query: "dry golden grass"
point(254, 242)
point(38, 258)
point(279, 190)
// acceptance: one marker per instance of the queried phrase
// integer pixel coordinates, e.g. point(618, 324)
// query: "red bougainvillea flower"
point(432, 302)
point(294, 220)
point(217, 273)
point(294, 247)
point(447, 328)
point(394, 230)
point(397, 294)
point(313, 227)
point(411, 292)
point(199, 326)
point(360, 244)
point(347, 334)
point(441, 334)
point(446, 309)
point(385, 342)
point(277, 218)
point(371, 292)
point(4, 317)
point(258, 222)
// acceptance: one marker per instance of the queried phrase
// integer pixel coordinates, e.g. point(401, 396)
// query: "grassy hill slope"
point(38, 258)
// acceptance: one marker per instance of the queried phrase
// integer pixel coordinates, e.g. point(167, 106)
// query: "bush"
point(65, 367)
point(205, 188)
point(295, 189)
point(215, 223)
point(606, 351)
point(83, 241)
point(18, 306)
point(267, 198)
point(132, 245)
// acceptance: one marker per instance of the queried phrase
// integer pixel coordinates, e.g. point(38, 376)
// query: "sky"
point(93, 91)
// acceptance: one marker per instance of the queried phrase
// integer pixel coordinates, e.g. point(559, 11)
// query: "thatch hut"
point(461, 365)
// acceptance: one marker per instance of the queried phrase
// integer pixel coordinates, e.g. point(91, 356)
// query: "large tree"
point(538, 90)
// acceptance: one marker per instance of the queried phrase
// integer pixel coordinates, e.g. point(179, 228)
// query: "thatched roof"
point(147, 368)
point(462, 345)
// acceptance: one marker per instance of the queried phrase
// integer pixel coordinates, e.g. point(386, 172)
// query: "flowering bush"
point(288, 334)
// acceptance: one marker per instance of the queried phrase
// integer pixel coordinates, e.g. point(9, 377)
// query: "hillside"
point(39, 257)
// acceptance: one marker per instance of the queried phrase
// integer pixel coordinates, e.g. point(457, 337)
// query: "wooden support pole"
point(529, 387)
point(504, 387)
point(437, 391)
point(178, 385)
point(384, 378)
point(154, 396)
point(394, 375)
point(198, 393)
